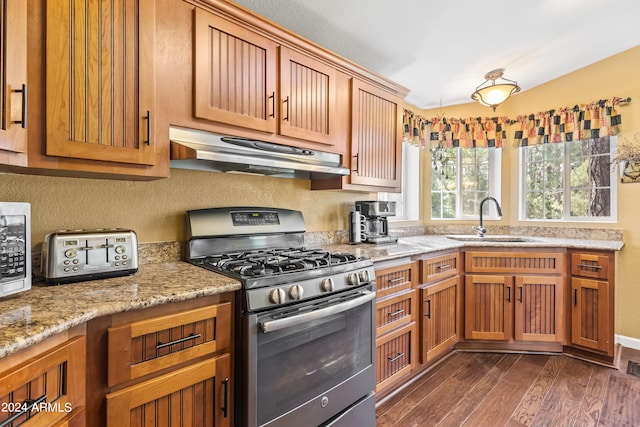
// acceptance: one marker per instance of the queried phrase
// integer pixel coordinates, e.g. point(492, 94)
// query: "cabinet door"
point(395, 310)
point(54, 379)
point(13, 76)
point(488, 307)
point(376, 140)
point(234, 75)
point(591, 322)
point(538, 308)
point(100, 80)
point(196, 395)
point(395, 357)
point(439, 318)
point(308, 98)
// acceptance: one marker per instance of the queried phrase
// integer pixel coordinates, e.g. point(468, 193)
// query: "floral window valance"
point(594, 120)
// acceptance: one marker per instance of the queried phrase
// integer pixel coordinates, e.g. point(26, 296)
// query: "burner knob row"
point(357, 278)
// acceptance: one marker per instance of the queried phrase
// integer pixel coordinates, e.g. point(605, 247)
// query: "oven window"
point(299, 363)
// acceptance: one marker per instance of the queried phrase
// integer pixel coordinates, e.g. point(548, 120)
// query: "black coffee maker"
point(375, 216)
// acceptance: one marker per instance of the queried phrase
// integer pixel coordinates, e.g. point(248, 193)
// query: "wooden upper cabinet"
point(100, 80)
point(13, 79)
point(234, 74)
point(307, 96)
point(376, 140)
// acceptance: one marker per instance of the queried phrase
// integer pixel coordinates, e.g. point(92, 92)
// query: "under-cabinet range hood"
point(195, 149)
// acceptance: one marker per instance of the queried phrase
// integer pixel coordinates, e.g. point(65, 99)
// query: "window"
point(569, 181)
point(461, 178)
point(407, 202)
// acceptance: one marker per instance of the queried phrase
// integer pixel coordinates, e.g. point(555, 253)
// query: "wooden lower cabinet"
point(196, 395)
point(440, 318)
point(590, 316)
point(396, 353)
point(521, 308)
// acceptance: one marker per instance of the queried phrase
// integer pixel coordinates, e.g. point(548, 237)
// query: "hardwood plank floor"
point(515, 390)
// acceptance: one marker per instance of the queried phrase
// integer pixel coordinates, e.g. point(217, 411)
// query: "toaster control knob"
point(120, 249)
point(353, 279)
point(296, 292)
point(277, 296)
point(70, 253)
point(364, 276)
point(326, 285)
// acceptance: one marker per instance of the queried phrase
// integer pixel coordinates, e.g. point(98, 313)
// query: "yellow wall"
point(156, 209)
point(615, 76)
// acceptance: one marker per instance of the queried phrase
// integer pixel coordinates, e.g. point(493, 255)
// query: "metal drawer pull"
point(393, 359)
point(428, 309)
point(178, 341)
point(396, 280)
point(148, 117)
point(598, 267)
point(28, 406)
point(225, 404)
point(396, 313)
point(23, 119)
point(442, 267)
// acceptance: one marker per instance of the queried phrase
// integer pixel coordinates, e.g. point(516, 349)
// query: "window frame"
point(566, 214)
point(410, 186)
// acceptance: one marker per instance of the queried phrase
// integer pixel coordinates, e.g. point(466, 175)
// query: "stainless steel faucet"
point(480, 228)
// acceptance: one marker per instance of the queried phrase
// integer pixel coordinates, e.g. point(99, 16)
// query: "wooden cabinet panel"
point(147, 346)
point(308, 97)
point(591, 318)
point(488, 307)
point(56, 378)
point(595, 266)
point(538, 308)
point(439, 267)
point(514, 262)
point(13, 80)
point(100, 81)
point(395, 356)
point(395, 278)
point(439, 331)
point(195, 395)
point(395, 310)
point(234, 74)
point(376, 140)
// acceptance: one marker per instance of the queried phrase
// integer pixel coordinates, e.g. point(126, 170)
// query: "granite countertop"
point(416, 245)
point(29, 317)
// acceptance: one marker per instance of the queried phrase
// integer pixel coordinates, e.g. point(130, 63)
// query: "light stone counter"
point(43, 311)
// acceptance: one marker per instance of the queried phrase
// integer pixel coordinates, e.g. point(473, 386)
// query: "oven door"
point(306, 364)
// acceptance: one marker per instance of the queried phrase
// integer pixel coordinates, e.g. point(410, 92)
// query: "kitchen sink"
point(494, 238)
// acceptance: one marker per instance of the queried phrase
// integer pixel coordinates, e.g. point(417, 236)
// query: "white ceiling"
point(441, 49)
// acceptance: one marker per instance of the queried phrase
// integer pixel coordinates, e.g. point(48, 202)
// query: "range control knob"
point(353, 279)
point(277, 296)
point(296, 292)
point(364, 276)
point(326, 285)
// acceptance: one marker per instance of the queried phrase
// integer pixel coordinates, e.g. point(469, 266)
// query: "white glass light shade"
point(494, 94)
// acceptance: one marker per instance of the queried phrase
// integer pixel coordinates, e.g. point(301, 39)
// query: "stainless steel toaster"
point(78, 255)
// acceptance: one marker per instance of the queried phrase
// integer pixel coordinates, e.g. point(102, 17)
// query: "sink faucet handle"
point(481, 230)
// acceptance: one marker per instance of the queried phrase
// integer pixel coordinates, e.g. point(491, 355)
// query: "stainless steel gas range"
point(305, 342)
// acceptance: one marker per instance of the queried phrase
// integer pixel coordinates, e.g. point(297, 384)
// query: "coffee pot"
point(369, 222)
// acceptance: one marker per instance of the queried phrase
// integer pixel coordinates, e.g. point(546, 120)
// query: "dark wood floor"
point(491, 389)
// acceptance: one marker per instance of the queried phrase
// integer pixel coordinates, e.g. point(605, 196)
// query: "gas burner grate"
point(633, 368)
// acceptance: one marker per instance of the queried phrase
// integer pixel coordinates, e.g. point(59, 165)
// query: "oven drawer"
point(148, 346)
point(395, 310)
point(395, 278)
point(396, 354)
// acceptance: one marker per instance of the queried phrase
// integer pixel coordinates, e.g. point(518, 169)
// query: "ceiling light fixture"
point(494, 94)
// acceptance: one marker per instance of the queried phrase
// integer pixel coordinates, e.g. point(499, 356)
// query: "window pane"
point(534, 206)
point(449, 205)
point(436, 205)
point(553, 205)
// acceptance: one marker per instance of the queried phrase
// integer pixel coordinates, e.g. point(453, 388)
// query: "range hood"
point(195, 149)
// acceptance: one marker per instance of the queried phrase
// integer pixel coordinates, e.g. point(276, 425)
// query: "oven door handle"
point(275, 325)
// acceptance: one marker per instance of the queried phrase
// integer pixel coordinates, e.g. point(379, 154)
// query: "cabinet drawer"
point(394, 279)
point(595, 266)
point(147, 346)
point(54, 379)
point(395, 310)
point(439, 267)
point(514, 262)
point(395, 355)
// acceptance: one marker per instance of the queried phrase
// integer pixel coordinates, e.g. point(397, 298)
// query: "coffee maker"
point(373, 225)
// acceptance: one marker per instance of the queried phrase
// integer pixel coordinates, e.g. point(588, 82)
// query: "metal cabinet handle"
point(597, 267)
point(575, 296)
point(508, 293)
point(23, 119)
point(148, 141)
point(225, 404)
point(520, 291)
point(395, 313)
point(286, 101)
point(393, 359)
point(429, 308)
point(273, 104)
point(396, 280)
point(27, 407)
point(445, 266)
point(191, 336)
point(356, 162)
